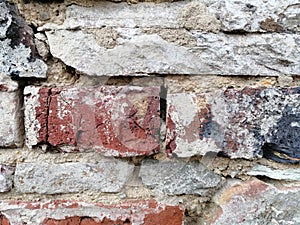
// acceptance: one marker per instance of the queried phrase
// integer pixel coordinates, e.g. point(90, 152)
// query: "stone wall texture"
point(152, 112)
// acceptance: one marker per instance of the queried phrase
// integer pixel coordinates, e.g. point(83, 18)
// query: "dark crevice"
point(49, 98)
point(163, 103)
point(236, 32)
point(22, 115)
point(44, 1)
point(280, 153)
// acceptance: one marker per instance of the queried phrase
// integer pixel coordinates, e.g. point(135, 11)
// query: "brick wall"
point(154, 113)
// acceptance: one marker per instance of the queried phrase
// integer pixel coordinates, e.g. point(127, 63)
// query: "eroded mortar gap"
point(22, 114)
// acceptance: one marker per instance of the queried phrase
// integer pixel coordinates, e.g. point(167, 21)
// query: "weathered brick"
point(76, 220)
point(6, 177)
point(121, 121)
point(176, 178)
point(237, 122)
point(45, 178)
point(256, 202)
point(4, 220)
point(137, 212)
point(11, 132)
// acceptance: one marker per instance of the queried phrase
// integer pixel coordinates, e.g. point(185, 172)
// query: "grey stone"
point(142, 54)
point(5, 19)
point(143, 15)
point(6, 178)
point(248, 15)
point(291, 17)
point(255, 202)
point(105, 176)
point(233, 16)
point(16, 45)
point(136, 54)
point(277, 174)
point(11, 132)
point(175, 177)
point(253, 54)
point(16, 61)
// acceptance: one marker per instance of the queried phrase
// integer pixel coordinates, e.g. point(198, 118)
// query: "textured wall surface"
point(149, 112)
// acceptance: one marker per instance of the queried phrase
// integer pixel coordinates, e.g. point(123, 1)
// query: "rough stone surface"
point(17, 51)
point(291, 174)
point(256, 202)
point(291, 17)
point(121, 121)
point(207, 15)
point(238, 122)
point(5, 19)
point(137, 53)
point(10, 114)
point(137, 212)
point(44, 178)
point(163, 15)
point(6, 178)
point(176, 178)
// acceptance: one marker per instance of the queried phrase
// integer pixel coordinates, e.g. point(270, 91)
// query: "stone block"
point(138, 53)
point(177, 178)
point(44, 178)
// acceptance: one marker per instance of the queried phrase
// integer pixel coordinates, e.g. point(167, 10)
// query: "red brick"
point(170, 216)
point(121, 121)
point(138, 212)
point(4, 220)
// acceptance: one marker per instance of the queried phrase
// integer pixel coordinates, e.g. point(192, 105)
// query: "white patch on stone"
point(10, 119)
point(185, 108)
point(32, 125)
point(290, 174)
point(17, 61)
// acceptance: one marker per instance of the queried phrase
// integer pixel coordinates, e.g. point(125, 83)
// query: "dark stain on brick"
point(284, 145)
point(170, 140)
point(205, 118)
